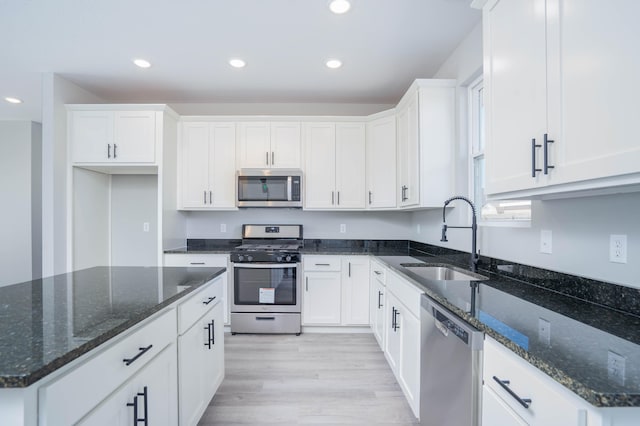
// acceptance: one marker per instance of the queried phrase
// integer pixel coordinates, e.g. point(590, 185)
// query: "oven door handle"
point(266, 265)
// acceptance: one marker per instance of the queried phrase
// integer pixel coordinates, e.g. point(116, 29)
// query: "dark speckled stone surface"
point(47, 323)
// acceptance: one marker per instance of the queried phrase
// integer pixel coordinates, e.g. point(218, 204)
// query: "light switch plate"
point(546, 245)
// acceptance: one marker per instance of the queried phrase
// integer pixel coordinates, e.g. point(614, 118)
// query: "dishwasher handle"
point(450, 325)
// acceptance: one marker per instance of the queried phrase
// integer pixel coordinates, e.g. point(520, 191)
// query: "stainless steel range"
point(267, 280)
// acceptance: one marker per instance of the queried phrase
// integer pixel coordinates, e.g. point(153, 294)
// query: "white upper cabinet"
point(381, 163)
point(269, 145)
point(334, 165)
point(99, 136)
point(208, 168)
point(425, 120)
point(558, 70)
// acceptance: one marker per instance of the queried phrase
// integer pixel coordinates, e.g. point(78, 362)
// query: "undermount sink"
point(442, 273)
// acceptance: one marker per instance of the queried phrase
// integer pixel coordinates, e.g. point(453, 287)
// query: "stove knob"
point(288, 258)
point(249, 258)
point(279, 259)
point(240, 258)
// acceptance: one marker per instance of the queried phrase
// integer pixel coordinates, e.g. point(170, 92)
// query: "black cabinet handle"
point(533, 157)
point(129, 361)
point(210, 197)
point(273, 158)
point(267, 156)
point(323, 264)
point(332, 198)
point(525, 402)
point(196, 263)
point(265, 318)
point(108, 150)
point(379, 297)
point(338, 197)
point(393, 318)
point(377, 272)
point(115, 147)
point(213, 332)
point(369, 197)
point(134, 404)
point(546, 167)
point(349, 269)
point(211, 299)
point(145, 419)
point(306, 283)
point(205, 196)
point(208, 342)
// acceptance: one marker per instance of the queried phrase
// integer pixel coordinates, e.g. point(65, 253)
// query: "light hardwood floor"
point(328, 379)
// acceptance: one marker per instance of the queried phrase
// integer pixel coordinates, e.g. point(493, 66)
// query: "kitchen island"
point(96, 329)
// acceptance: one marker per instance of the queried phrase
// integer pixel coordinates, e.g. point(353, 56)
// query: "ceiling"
point(383, 44)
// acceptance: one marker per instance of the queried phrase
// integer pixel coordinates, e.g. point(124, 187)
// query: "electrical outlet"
point(545, 241)
point(343, 228)
point(544, 331)
point(616, 368)
point(145, 226)
point(618, 248)
point(223, 228)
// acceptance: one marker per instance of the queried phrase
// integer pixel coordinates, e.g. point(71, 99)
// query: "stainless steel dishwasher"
point(450, 368)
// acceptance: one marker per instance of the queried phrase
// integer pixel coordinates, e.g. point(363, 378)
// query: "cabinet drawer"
point(550, 402)
point(195, 259)
point(321, 263)
point(196, 305)
point(65, 400)
point(379, 273)
point(406, 292)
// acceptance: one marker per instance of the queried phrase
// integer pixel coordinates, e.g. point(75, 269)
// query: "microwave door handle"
point(289, 196)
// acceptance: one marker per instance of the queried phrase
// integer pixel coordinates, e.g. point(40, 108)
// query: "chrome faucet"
point(473, 261)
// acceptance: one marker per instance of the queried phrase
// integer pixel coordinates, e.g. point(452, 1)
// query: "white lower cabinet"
point(204, 260)
point(201, 365)
point(335, 290)
point(402, 337)
point(548, 403)
point(355, 290)
point(149, 397)
point(377, 302)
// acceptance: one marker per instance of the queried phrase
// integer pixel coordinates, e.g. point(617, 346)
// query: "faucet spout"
point(473, 260)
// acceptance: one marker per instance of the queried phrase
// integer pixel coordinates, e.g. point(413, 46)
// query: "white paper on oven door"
point(267, 295)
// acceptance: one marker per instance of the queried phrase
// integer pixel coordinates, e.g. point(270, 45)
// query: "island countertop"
point(49, 322)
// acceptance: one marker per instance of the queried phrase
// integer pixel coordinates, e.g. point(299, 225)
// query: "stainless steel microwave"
point(269, 188)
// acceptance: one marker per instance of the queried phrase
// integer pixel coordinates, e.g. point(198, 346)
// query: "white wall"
point(56, 92)
point(360, 225)
point(90, 218)
point(580, 226)
point(134, 201)
point(20, 191)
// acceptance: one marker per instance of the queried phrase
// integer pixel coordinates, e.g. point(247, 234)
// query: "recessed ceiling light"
point(237, 63)
point(339, 6)
point(334, 63)
point(142, 63)
point(13, 100)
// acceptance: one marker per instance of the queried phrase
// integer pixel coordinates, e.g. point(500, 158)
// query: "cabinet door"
point(408, 161)
point(409, 372)
point(134, 139)
point(592, 107)
point(392, 333)
point(254, 148)
point(381, 163)
point(195, 165)
point(320, 168)
point(355, 290)
point(158, 377)
point(222, 170)
point(285, 145)
point(376, 309)
point(91, 136)
point(201, 364)
point(350, 165)
point(515, 92)
point(496, 413)
point(321, 298)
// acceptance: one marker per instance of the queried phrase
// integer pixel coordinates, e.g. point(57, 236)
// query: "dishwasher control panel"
point(451, 326)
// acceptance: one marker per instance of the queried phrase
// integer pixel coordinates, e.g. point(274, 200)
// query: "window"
point(489, 211)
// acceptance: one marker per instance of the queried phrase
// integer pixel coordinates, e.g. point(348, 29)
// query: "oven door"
point(266, 287)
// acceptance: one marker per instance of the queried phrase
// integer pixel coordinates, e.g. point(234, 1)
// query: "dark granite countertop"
point(582, 333)
point(47, 323)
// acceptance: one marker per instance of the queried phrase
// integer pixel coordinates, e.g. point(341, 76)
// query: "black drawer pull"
point(379, 302)
point(129, 361)
point(265, 318)
point(196, 263)
point(505, 385)
point(211, 299)
point(323, 264)
point(534, 170)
